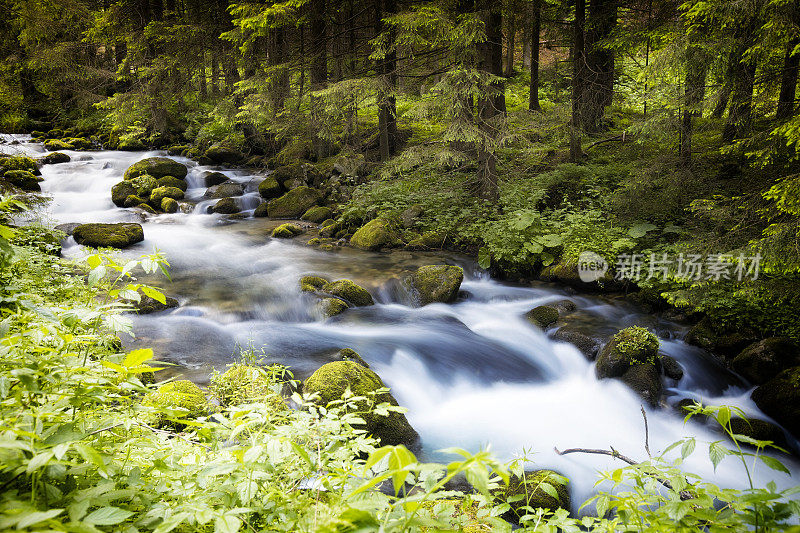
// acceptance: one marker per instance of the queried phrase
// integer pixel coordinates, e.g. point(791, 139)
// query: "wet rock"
point(261, 210)
point(54, 145)
point(563, 306)
point(180, 395)
point(317, 214)
point(121, 191)
point(779, 398)
point(229, 189)
point(147, 305)
point(542, 316)
point(23, 179)
point(211, 179)
point(763, 360)
point(134, 201)
point(169, 205)
point(585, 344)
point(131, 145)
point(144, 185)
point(672, 368)
point(178, 149)
point(428, 239)
point(529, 487)
point(350, 292)
point(223, 153)
point(328, 228)
point(68, 228)
point(312, 283)
point(645, 381)
point(437, 283)
point(242, 384)
point(375, 234)
point(119, 235)
point(724, 343)
point(18, 163)
point(410, 216)
point(287, 231)
point(329, 307)
point(332, 380)
point(567, 273)
point(159, 193)
point(269, 188)
point(347, 354)
point(758, 430)
point(294, 203)
point(55, 158)
point(147, 209)
point(172, 181)
point(79, 143)
point(158, 167)
point(629, 347)
point(226, 206)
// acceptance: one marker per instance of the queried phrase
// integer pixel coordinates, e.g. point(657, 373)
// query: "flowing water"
point(472, 374)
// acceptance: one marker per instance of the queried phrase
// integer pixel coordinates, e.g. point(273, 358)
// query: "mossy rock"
point(269, 188)
point(644, 380)
point(758, 430)
point(147, 305)
point(121, 191)
point(119, 235)
point(317, 214)
point(172, 181)
point(332, 380)
point(528, 491)
point(286, 173)
point(23, 179)
point(18, 162)
point(79, 143)
point(179, 400)
point(294, 203)
point(542, 316)
point(585, 344)
point(158, 167)
point(147, 208)
point(54, 145)
point(214, 178)
point(428, 239)
point(671, 367)
point(437, 283)
point(348, 354)
point(763, 360)
point(159, 193)
point(261, 210)
point(287, 231)
point(177, 149)
point(312, 283)
point(169, 205)
point(226, 206)
point(350, 292)
point(375, 234)
point(329, 228)
point(144, 185)
point(629, 347)
point(329, 307)
point(229, 189)
point(55, 158)
point(134, 201)
point(131, 145)
point(222, 152)
point(779, 398)
point(242, 384)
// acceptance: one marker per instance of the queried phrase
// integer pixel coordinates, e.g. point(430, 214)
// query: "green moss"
point(147, 208)
point(158, 167)
point(160, 193)
point(131, 145)
point(542, 315)
point(429, 239)
point(121, 191)
point(79, 143)
point(287, 231)
point(133, 201)
point(54, 145)
point(312, 283)
point(144, 185)
point(261, 210)
point(437, 283)
point(169, 205)
point(332, 380)
point(172, 181)
point(54, 158)
point(225, 190)
point(644, 380)
point(375, 234)
point(294, 203)
point(348, 354)
point(112, 235)
point(349, 291)
point(629, 347)
point(317, 214)
point(246, 384)
point(18, 163)
point(223, 152)
point(23, 179)
point(528, 491)
point(329, 307)
point(182, 396)
point(269, 188)
point(226, 206)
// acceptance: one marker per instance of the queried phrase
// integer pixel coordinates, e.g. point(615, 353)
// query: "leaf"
point(484, 258)
point(552, 240)
point(549, 489)
point(39, 461)
point(137, 357)
point(687, 448)
point(227, 524)
point(641, 229)
point(774, 464)
point(724, 416)
point(155, 294)
point(108, 516)
point(717, 452)
point(533, 247)
point(96, 275)
point(30, 519)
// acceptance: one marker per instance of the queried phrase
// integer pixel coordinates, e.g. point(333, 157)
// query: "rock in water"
point(437, 283)
point(763, 360)
point(147, 305)
point(54, 158)
point(223, 153)
point(214, 178)
point(159, 193)
point(269, 188)
point(228, 189)
point(350, 292)
point(119, 235)
point(533, 495)
point(312, 283)
point(645, 381)
point(585, 344)
point(23, 179)
point(542, 316)
point(780, 399)
point(287, 231)
point(329, 307)
point(375, 234)
point(121, 191)
point(226, 206)
point(294, 203)
point(158, 167)
point(331, 381)
point(629, 347)
point(317, 214)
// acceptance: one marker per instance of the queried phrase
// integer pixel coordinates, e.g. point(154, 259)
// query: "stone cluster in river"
point(154, 184)
point(19, 173)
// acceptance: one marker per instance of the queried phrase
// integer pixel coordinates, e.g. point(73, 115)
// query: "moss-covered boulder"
point(172, 181)
point(159, 193)
point(242, 384)
point(229, 189)
point(780, 399)
point(531, 490)
point(23, 179)
point(763, 360)
point(317, 214)
point(376, 234)
point(332, 380)
point(144, 185)
point(286, 173)
point(175, 402)
point(18, 162)
point(542, 316)
point(226, 206)
point(724, 344)
point(178, 149)
point(79, 143)
point(428, 239)
point(585, 344)
point(350, 292)
point(269, 188)
point(223, 152)
point(671, 367)
point(147, 208)
point(134, 201)
point(644, 380)
point(629, 347)
point(348, 354)
point(54, 145)
point(294, 203)
point(329, 228)
point(261, 210)
point(437, 283)
point(121, 191)
point(312, 283)
point(213, 178)
point(55, 158)
point(169, 205)
point(158, 167)
point(329, 307)
point(287, 231)
point(131, 145)
point(119, 235)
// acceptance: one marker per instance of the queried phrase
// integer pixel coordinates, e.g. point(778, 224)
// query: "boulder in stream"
point(54, 145)
point(269, 188)
point(629, 347)
point(317, 214)
point(350, 292)
point(180, 395)
point(437, 283)
point(376, 234)
point(294, 203)
point(172, 181)
point(226, 206)
point(23, 179)
point(529, 486)
point(331, 381)
point(121, 191)
point(779, 398)
point(329, 307)
point(169, 205)
point(55, 158)
point(542, 316)
point(644, 380)
point(144, 185)
point(158, 167)
point(229, 189)
point(763, 360)
point(585, 344)
point(312, 283)
point(260, 211)
point(147, 305)
point(287, 231)
point(159, 193)
point(119, 235)
point(213, 178)
point(222, 152)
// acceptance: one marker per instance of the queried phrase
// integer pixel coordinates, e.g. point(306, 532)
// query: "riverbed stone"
point(172, 181)
point(54, 158)
point(147, 305)
point(213, 178)
point(78, 143)
point(158, 167)
point(726, 344)
point(317, 214)
point(119, 235)
point(348, 354)
point(671, 368)
point(629, 347)
point(169, 205)
point(329, 307)
point(437, 283)
point(269, 188)
point(180, 395)
point(54, 145)
point(287, 231)
point(147, 208)
point(131, 145)
point(529, 486)
point(376, 234)
point(350, 292)
point(228, 189)
point(779, 398)
point(134, 201)
point(644, 380)
point(332, 380)
point(18, 162)
point(294, 203)
point(261, 210)
point(23, 179)
point(312, 283)
point(585, 344)
point(144, 185)
point(763, 360)
point(226, 206)
point(159, 193)
point(410, 215)
point(542, 316)
point(222, 152)
point(121, 191)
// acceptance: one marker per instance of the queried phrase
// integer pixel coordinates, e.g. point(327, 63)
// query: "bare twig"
point(620, 137)
point(96, 431)
point(646, 434)
point(172, 434)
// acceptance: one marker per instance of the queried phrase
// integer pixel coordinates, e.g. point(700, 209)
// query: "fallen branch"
point(620, 137)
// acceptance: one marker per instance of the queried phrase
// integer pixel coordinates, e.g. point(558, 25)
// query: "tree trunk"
point(319, 61)
point(526, 33)
point(727, 85)
point(494, 37)
point(599, 81)
point(201, 77)
point(279, 77)
point(786, 99)
point(695, 89)
point(511, 41)
point(387, 68)
point(535, 33)
point(741, 108)
point(578, 60)
point(215, 92)
point(490, 105)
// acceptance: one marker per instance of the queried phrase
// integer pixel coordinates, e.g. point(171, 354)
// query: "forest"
point(382, 265)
